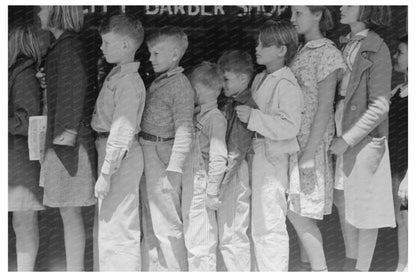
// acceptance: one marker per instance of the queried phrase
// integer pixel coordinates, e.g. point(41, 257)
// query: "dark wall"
point(209, 35)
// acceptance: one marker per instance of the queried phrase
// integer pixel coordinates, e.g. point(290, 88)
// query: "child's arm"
point(283, 121)
point(320, 122)
point(129, 101)
point(183, 109)
point(72, 83)
point(26, 102)
point(238, 146)
point(217, 153)
point(378, 92)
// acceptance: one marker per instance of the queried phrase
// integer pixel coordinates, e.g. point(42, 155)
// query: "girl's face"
point(400, 58)
point(304, 20)
point(349, 14)
point(266, 55)
point(44, 17)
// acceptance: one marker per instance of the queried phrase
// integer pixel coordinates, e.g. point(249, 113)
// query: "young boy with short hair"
point(166, 138)
point(276, 123)
point(208, 161)
point(116, 120)
point(234, 214)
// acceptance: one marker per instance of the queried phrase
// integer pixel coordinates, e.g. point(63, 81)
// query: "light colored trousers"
point(269, 207)
point(163, 241)
point(118, 214)
point(233, 221)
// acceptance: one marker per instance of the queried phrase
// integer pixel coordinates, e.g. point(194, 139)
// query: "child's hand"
point(102, 187)
point(243, 113)
point(338, 146)
point(306, 161)
point(41, 77)
point(213, 202)
point(402, 193)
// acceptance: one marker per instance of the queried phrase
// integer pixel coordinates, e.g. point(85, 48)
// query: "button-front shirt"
point(118, 110)
point(168, 113)
point(212, 143)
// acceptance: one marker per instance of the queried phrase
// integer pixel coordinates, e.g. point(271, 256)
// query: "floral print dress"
point(311, 190)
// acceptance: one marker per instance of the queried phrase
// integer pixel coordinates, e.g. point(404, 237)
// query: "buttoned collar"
point(168, 74)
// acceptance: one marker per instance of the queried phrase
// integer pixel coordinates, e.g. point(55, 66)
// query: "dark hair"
point(327, 22)
point(403, 39)
point(280, 33)
point(123, 25)
point(236, 61)
point(375, 15)
point(208, 75)
point(176, 34)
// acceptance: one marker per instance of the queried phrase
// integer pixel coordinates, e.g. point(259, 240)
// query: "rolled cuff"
point(66, 138)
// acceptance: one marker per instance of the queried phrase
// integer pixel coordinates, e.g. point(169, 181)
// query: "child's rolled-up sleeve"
point(129, 99)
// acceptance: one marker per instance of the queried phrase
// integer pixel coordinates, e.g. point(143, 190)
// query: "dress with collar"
point(316, 60)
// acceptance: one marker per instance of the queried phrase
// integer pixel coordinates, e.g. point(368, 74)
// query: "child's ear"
point(282, 51)
point(125, 44)
point(176, 54)
point(243, 77)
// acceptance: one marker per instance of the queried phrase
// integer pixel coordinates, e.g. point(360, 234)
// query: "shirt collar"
point(129, 68)
point(243, 96)
point(170, 73)
point(316, 43)
point(363, 33)
point(205, 108)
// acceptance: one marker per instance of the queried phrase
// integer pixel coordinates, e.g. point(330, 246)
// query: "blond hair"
point(207, 74)
point(23, 42)
point(172, 33)
point(123, 25)
point(66, 18)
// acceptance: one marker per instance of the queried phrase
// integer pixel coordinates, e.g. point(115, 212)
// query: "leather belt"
point(258, 135)
point(150, 137)
point(107, 134)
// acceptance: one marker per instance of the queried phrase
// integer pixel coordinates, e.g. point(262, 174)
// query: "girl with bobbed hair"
point(68, 168)
point(24, 193)
point(363, 188)
point(318, 66)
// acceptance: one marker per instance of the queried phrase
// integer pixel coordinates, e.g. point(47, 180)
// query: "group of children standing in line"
point(218, 178)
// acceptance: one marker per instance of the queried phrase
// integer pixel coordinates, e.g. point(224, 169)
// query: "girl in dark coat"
point(67, 171)
point(25, 195)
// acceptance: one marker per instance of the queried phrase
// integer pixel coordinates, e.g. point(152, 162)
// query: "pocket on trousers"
point(163, 152)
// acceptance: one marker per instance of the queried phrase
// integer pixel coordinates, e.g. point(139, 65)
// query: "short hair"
point(173, 33)
point(67, 18)
point(123, 25)
point(23, 42)
point(236, 61)
point(327, 22)
point(375, 15)
point(280, 33)
point(208, 75)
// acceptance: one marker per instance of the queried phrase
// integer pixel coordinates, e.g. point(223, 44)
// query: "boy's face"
point(162, 56)
point(266, 55)
point(112, 47)
point(234, 83)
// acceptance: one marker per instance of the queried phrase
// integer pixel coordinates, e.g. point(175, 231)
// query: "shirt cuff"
point(348, 139)
point(213, 187)
point(66, 138)
point(113, 161)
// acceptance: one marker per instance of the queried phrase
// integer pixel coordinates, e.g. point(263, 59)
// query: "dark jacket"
point(24, 101)
point(66, 80)
point(238, 137)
